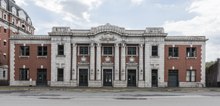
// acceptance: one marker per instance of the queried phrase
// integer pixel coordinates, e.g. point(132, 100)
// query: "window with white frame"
point(42, 50)
point(191, 52)
point(24, 50)
point(14, 11)
point(131, 50)
point(191, 75)
point(22, 15)
point(3, 4)
point(24, 74)
point(83, 50)
point(173, 52)
point(154, 50)
point(107, 51)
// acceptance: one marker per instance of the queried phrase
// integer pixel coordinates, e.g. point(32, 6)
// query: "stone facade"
point(109, 55)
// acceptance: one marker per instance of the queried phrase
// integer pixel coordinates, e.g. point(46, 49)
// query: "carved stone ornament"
point(107, 59)
point(83, 59)
point(107, 37)
point(131, 59)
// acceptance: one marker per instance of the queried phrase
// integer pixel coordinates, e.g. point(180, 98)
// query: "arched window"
point(3, 4)
point(14, 11)
point(22, 14)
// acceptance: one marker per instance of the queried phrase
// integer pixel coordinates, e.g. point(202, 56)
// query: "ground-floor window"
point(24, 74)
point(60, 74)
point(190, 75)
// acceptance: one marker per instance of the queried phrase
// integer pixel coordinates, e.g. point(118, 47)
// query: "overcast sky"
point(178, 17)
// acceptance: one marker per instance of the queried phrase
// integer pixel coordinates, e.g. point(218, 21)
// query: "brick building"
point(13, 20)
point(108, 55)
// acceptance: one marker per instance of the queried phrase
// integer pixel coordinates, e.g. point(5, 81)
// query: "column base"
point(95, 83)
point(191, 84)
point(140, 84)
point(120, 84)
point(162, 84)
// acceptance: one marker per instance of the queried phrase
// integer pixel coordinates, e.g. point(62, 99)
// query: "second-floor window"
point(60, 50)
point(107, 50)
point(131, 51)
point(191, 52)
point(83, 50)
point(173, 52)
point(25, 50)
point(154, 50)
point(42, 50)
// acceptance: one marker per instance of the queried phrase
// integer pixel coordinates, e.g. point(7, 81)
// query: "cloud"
point(71, 10)
point(205, 23)
point(136, 2)
point(21, 2)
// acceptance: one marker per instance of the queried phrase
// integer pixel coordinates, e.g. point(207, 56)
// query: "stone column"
point(141, 62)
point(116, 61)
point(92, 61)
point(147, 68)
point(74, 61)
point(123, 62)
point(98, 61)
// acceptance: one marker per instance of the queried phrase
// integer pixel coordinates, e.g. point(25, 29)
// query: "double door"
point(107, 77)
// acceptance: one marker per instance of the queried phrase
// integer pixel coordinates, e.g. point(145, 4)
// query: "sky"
point(178, 17)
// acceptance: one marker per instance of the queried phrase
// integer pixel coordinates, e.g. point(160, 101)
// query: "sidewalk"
point(108, 89)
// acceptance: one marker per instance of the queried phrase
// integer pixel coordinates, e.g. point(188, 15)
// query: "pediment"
point(107, 28)
point(107, 37)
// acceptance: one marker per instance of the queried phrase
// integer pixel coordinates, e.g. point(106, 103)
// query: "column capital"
point(98, 44)
point(141, 45)
point(116, 44)
point(123, 44)
point(92, 44)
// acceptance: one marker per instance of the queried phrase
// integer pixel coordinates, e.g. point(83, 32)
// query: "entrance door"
point(131, 77)
point(173, 78)
point(154, 77)
point(41, 77)
point(83, 77)
point(107, 77)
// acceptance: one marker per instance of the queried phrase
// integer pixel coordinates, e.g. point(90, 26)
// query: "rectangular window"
point(5, 30)
point(173, 52)
point(131, 50)
point(42, 50)
point(60, 74)
point(154, 50)
point(60, 49)
point(83, 50)
point(107, 50)
point(191, 52)
point(190, 75)
point(25, 50)
point(4, 74)
point(24, 74)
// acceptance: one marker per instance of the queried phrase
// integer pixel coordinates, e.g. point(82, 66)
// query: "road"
point(112, 98)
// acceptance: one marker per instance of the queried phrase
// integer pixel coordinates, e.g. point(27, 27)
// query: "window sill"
point(175, 58)
point(24, 56)
point(85, 55)
point(154, 56)
point(191, 57)
point(61, 56)
point(107, 55)
point(132, 55)
point(41, 57)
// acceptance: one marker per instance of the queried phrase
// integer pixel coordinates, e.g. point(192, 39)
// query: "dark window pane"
point(154, 50)
point(60, 49)
point(24, 50)
point(24, 74)
point(131, 50)
point(191, 52)
point(84, 50)
point(107, 50)
point(60, 74)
